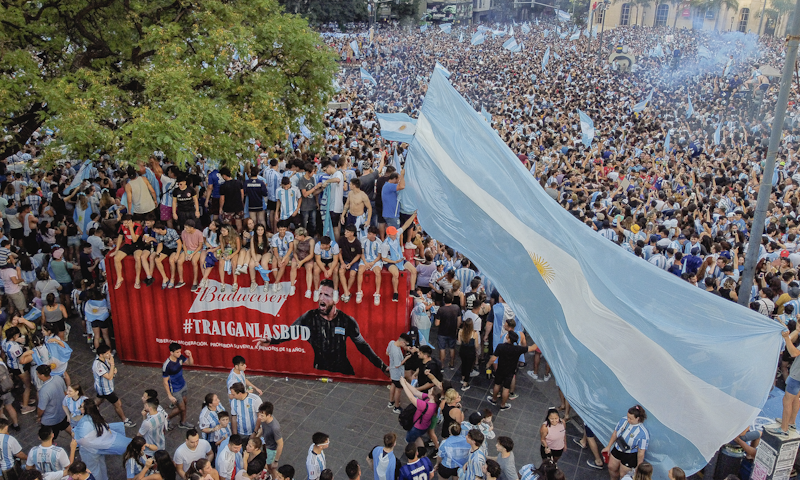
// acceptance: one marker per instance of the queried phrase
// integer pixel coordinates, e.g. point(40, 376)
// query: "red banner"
point(216, 326)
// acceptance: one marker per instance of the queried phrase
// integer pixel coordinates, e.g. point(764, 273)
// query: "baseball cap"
point(391, 231)
point(635, 228)
point(784, 253)
point(681, 237)
point(475, 418)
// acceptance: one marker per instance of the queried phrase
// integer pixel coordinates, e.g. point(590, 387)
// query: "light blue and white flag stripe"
point(84, 173)
point(445, 71)
point(666, 141)
point(512, 46)
point(478, 39)
point(718, 134)
point(525, 28)
point(690, 108)
point(354, 46)
point(446, 27)
point(461, 38)
point(366, 76)
point(643, 104)
point(423, 28)
point(587, 303)
point(587, 129)
point(397, 127)
point(545, 58)
point(486, 115)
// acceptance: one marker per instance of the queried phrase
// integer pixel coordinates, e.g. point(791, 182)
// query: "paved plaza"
point(354, 415)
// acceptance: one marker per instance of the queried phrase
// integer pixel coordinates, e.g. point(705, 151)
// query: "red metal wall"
point(146, 320)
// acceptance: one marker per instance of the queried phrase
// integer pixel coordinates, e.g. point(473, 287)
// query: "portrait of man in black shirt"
point(330, 328)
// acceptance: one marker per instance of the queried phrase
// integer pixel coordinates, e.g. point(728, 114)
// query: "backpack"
point(407, 416)
point(6, 382)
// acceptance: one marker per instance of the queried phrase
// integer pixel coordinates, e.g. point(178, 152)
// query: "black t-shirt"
point(257, 464)
point(185, 199)
point(448, 320)
point(349, 250)
point(377, 195)
point(86, 263)
point(232, 189)
point(507, 357)
point(434, 368)
point(328, 339)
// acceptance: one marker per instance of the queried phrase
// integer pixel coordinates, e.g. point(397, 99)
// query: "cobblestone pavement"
point(354, 415)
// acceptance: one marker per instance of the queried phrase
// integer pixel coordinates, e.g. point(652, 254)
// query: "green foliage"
point(326, 11)
point(128, 77)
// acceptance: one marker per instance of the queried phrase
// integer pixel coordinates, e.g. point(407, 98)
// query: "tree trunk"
point(675, 21)
point(27, 123)
point(655, 14)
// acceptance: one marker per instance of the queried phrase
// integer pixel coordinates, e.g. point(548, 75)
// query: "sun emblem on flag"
point(544, 268)
point(402, 127)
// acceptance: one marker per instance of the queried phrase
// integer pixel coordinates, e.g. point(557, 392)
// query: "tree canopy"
point(129, 77)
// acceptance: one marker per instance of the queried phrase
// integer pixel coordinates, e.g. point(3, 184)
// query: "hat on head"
point(725, 254)
point(475, 418)
point(600, 217)
point(784, 253)
point(391, 231)
point(58, 253)
point(635, 228)
point(655, 237)
point(681, 237)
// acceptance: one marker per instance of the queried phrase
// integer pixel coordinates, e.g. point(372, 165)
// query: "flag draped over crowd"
point(588, 304)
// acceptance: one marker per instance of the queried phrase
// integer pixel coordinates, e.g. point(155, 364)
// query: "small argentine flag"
point(354, 46)
point(525, 28)
point(478, 39)
point(397, 127)
point(366, 76)
point(445, 71)
point(643, 104)
point(587, 129)
point(512, 46)
point(575, 36)
point(446, 27)
point(545, 58)
point(461, 38)
point(423, 28)
point(718, 134)
point(690, 108)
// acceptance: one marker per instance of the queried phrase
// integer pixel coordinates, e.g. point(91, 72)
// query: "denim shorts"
point(413, 434)
point(446, 342)
point(792, 386)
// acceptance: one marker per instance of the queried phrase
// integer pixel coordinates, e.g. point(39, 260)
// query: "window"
point(599, 13)
point(743, 19)
point(625, 16)
point(662, 12)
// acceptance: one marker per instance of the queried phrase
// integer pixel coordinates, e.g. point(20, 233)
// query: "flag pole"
point(765, 189)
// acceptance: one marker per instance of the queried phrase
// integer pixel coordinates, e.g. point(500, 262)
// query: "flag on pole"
point(643, 104)
point(587, 129)
point(690, 108)
point(666, 142)
point(354, 46)
point(511, 31)
point(525, 28)
point(582, 297)
point(545, 58)
point(366, 76)
point(445, 71)
point(84, 173)
point(423, 28)
point(397, 127)
point(718, 133)
point(461, 38)
point(545, 33)
point(575, 36)
point(478, 39)
point(446, 27)
point(512, 46)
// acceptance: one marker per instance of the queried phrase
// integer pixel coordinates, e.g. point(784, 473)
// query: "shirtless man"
point(357, 206)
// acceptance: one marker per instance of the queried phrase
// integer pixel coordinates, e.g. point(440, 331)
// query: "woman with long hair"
point(644, 471)
point(254, 459)
point(133, 459)
point(427, 408)
point(259, 254)
point(469, 349)
point(230, 244)
point(245, 254)
point(303, 258)
point(628, 443)
point(553, 435)
point(451, 411)
point(98, 439)
point(203, 469)
point(54, 315)
point(162, 466)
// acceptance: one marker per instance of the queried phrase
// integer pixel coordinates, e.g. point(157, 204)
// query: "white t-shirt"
point(476, 320)
point(337, 192)
point(184, 456)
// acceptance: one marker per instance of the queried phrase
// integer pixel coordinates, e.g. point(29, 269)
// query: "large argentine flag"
point(587, 129)
point(445, 71)
point(84, 173)
point(617, 331)
point(397, 127)
point(512, 46)
point(477, 39)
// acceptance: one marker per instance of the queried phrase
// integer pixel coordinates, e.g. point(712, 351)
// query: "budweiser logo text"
point(213, 298)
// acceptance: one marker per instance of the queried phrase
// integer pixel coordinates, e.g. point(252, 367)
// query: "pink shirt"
point(9, 286)
point(555, 437)
point(423, 420)
point(193, 241)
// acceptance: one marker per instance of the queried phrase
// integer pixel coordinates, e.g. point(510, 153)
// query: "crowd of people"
point(673, 183)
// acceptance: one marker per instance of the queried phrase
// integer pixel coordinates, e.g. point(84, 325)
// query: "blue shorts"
point(589, 432)
point(792, 386)
point(446, 342)
point(413, 434)
point(393, 222)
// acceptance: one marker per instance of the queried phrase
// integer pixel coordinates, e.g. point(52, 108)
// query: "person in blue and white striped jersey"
point(9, 449)
point(473, 469)
point(104, 371)
point(371, 260)
point(289, 199)
point(48, 458)
point(244, 409)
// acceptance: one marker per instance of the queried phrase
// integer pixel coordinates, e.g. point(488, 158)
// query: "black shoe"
point(149, 281)
point(395, 297)
point(15, 428)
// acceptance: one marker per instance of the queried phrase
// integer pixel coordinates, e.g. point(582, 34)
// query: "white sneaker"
point(308, 294)
point(253, 287)
point(547, 377)
point(223, 288)
point(377, 297)
point(316, 295)
point(532, 375)
point(359, 297)
point(345, 298)
point(292, 290)
point(336, 296)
